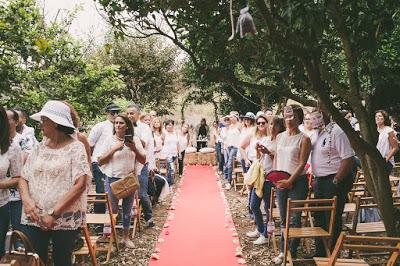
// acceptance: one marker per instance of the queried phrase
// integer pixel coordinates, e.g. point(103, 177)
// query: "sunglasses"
point(114, 112)
point(261, 123)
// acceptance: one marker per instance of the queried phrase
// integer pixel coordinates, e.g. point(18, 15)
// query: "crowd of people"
point(297, 144)
point(43, 186)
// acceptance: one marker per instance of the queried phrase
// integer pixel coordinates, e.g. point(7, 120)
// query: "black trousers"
point(325, 189)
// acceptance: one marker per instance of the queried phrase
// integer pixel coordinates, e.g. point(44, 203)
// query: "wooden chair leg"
point(92, 250)
point(285, 249)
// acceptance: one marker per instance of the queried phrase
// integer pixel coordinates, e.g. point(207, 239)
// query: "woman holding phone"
point(292, 152)
point(120, 155)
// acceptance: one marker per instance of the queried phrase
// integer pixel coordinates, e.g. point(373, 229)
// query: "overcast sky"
point(88, 24)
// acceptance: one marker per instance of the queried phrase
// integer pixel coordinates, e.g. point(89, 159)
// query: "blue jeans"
point(144, 197)
point(126, 204)
point(244, 166)
point(98, 177)
point(226, 156)
point(220, 157)
point(170, 177)
point(298, 192)
point(232, 151)
point(15, 217)
point(63, 243)
point(255, 203)
point(4, 223)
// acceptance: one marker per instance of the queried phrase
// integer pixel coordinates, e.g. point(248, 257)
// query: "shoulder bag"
point(125, 186)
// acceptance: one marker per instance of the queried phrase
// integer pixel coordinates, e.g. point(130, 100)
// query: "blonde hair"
point(160, 129)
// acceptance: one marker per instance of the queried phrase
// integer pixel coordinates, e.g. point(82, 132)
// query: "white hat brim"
point(56, 119)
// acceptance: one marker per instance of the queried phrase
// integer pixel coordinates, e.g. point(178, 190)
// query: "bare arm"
point(243, 145)
point(394, 144)
point(345, 168)
point(9, 183)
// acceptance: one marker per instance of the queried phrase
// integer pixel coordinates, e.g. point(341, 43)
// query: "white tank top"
point(183, 142)
point(251, 149)
point(170, 147)
point(288, 152)
point(383, 144)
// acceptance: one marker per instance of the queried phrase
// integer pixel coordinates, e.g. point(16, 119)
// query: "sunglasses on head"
point(261, 123)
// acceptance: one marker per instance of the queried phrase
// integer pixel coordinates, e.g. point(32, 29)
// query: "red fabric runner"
point(199, 228)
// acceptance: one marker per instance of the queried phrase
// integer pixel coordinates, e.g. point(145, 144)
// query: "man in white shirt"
point(99, 133)
point(332, 160)
point(144, 133)
point(24, 130)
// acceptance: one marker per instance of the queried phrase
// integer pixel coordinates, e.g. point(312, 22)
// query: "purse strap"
point(27, 244)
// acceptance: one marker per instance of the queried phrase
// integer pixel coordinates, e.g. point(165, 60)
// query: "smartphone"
point(128, 138)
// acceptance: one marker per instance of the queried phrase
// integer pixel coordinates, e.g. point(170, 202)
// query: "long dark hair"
point(5, 140)
point(129, 125)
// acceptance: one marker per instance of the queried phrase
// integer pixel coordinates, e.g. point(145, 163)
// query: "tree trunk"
point(378, 184)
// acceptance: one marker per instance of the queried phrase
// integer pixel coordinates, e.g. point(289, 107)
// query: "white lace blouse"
point(50, 174)
point(10, 162)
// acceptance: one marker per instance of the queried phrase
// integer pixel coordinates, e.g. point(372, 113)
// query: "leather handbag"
point(125, 186)
point(25, 258)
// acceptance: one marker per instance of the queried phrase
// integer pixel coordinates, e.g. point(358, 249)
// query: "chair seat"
point(363, 228)
point(85, 250)
point(340, 262)
point(305, 232)
point(349, 207)
point(98, 218)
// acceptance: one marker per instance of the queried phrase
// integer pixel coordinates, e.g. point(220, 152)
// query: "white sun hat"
point(56, 111)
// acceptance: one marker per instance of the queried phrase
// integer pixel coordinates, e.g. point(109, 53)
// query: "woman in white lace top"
point(53, 185)
point(10, 162)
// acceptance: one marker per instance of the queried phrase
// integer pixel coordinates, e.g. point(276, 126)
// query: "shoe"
point(150, 223)
point(228, 186)
point(261, 240)
point(278, 260)
point(129, 244)
point(253, 234)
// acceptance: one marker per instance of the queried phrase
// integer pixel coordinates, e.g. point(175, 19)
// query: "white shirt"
point(383, 144)
point(146, 136)
point(29, 134)
point(10, 160)
point(123, 161)
point(329, 149)
point(288, 152)
point(99, 133)
point(170, 147)
point(183, 142)
point(223, 136)
point(26, 146)
point(266, 160)
point(233, 136)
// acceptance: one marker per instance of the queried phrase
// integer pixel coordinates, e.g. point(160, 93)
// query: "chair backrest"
point(312, 205)
point(367, 243)
point(162, 166)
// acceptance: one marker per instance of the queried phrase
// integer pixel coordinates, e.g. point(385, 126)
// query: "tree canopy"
point(324, 52)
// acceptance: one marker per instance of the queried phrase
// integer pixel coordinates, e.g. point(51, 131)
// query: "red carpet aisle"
point(199, 229)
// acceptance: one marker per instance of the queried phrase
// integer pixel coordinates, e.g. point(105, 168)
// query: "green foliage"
point(149, 70)
point(39, 62)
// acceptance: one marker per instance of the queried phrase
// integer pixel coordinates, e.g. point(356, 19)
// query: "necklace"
point(118, 138)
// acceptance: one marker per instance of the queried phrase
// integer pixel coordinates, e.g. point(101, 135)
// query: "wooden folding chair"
point(371, 227)
point(389, 245)
point(162, 166)
point(311, 205)
point(89, 248)
point(106, 218)
point(274, 217)
point(237, 174)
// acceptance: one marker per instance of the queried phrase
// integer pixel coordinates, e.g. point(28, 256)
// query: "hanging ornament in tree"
point(245, 24)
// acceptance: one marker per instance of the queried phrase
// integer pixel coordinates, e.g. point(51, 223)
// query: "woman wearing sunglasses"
point(260, 146)
point(293, 150)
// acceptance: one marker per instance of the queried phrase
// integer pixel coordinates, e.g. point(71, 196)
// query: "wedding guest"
point(53, 186)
